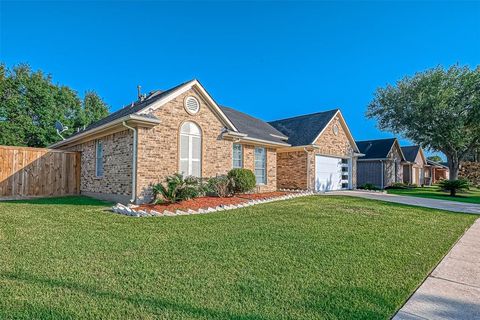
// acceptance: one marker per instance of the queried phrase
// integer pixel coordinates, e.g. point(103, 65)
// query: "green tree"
point(435, 158)
point(438, 109)
point(94, 107)
point(30, 103)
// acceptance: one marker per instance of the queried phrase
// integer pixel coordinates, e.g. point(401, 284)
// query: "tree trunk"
point(453, 166)
point(453, 192)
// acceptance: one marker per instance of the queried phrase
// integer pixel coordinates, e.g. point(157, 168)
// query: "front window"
point(190, 150)
point(237, 155)
point(260, 165)
point(99, 158)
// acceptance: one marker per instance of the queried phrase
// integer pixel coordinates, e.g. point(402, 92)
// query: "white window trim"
point(96, 159)
point(264, 168)
point(190, 158)
point(241, 156)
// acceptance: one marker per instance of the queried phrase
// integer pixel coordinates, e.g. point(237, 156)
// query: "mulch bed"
point(212, 202)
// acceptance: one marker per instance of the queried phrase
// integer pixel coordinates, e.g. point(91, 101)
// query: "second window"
point(261, 165)
point(237, 155)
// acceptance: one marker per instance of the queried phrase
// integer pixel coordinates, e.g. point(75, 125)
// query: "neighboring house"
point(414, 167)
point(382, 163)
point(179, 130)
point(322, 156)
point(435, 172)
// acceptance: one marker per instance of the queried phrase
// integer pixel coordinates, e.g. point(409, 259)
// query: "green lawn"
point(434, 192)
point(312, 257)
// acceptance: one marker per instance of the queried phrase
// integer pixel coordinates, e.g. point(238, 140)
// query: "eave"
point(308, 147)
point(132, 120)
point(242, 137)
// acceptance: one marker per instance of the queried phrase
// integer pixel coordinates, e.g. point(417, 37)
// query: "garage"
point(331, 173)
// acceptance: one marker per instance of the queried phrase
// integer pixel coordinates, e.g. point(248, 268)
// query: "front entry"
point(331, 173)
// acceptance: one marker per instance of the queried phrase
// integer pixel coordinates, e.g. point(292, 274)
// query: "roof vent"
point(192, 105)
point(369, 146)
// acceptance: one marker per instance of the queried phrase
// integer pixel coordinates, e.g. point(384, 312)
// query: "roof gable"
point(396, 145)
point(304, 130)
point(184, 88)
point(411, 153)
point(338, 115)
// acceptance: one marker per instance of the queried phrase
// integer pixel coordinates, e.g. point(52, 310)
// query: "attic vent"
point(192, 105)
point(335, 129)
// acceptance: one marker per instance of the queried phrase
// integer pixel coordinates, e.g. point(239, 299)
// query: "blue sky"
point(271, 60)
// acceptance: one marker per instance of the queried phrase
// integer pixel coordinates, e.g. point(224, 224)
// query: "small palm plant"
point(177, 188)
point(454, 186)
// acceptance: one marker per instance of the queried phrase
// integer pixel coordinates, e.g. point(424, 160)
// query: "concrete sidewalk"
point(414, 201)
point(452, 291)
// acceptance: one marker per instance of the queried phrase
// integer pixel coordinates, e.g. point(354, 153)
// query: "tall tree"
point(435, 158)
point(438, 109)
point(94, 107)
point(30, 103)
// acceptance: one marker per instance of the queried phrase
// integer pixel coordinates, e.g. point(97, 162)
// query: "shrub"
point(368, 186)
point(243, 180)
point(398, 185)
point(221, 186)
point(454, 186)
point(177, 188)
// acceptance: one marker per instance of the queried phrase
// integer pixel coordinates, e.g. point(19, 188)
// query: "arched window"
point(190, 150)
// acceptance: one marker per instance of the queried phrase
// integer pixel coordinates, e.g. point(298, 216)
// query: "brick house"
point(435, 172)
point(382, 163)
point(184, 130)
point(414, 167)
point(322, 156)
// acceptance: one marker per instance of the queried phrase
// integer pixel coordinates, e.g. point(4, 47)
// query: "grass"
point(434, 192)
point(307, 258)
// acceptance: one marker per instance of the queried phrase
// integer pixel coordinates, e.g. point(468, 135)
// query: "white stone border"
point(133, 211)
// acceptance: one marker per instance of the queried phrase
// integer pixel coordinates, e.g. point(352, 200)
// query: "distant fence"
point(34, 172)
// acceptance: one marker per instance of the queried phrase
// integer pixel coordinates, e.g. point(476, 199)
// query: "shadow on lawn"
point(68, 200)
point(153, 304)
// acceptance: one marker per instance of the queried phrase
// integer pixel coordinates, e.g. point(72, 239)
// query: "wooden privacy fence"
point(33, 172)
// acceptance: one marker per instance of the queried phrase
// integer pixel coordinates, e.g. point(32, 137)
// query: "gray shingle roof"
point(375, 149)
point(253, 127)
point(130, 109)
point(410, 152)
point(303, 130)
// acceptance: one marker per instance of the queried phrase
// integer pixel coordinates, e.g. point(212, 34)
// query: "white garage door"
point(331, 173)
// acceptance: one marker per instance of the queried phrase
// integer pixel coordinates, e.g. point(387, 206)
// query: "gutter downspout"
point(134, 162)
point(308, 169)
point(383, 168)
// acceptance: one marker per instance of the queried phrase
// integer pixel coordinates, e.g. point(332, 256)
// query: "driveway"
point(452, 290)
point(414, 201)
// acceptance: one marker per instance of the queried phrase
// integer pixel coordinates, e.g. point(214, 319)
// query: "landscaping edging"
point(135, 212)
